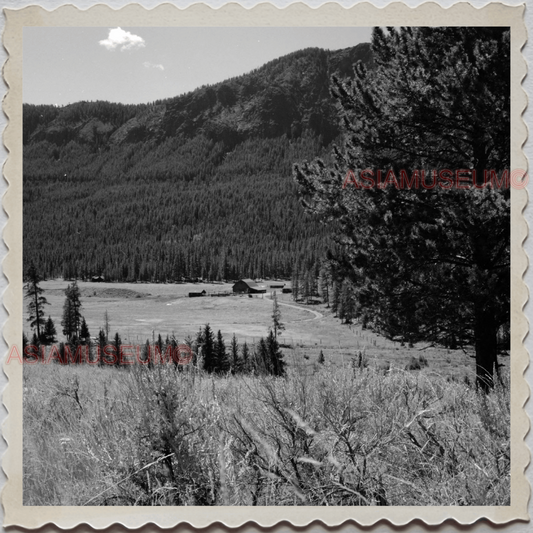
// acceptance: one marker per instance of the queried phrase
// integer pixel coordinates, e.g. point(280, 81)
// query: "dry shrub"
point(107, 436)
point(364, 439)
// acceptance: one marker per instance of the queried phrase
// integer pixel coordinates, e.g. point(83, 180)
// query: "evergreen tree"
point(304, 286)
point(208, 350)
point(117, 343)
point(36, 300)
point(85, 335)
point(336, 297)
point(262, 358)
point(34, 351)
point(106, 324)
point(324, 280)
point(277, 326)
point(159, 346)
point(49, 334)
point(276, 364)
point(426, 261)
point(246, 360)
point(147, 356)
point(295, 282)
point(346, 308)
point(199, 342)
point(63, 359)
point(189, 341)
point(71, 312)
point(311, 284)
point(35, 341)
point(222, 365)
point(102, 341)
point(175, 355)
point(236, 363)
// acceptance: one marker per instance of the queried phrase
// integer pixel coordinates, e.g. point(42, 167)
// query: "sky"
point(140, 65)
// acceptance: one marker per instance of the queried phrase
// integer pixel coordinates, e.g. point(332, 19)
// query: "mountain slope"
point(198, 186)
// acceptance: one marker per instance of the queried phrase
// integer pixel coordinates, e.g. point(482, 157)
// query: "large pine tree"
point(49, 333)
point(277, 325)
point(427, 263)
point(102, 341)
point(36, 301)
point(85, 335)
point(207, 343)
point(71, 312)
point(276, 363)
point(222, 363)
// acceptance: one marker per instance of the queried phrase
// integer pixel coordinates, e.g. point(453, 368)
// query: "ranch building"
point(197, 294)
point(248, 286)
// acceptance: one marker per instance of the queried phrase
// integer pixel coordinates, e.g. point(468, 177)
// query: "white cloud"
point(124, 39)
point(147, 64)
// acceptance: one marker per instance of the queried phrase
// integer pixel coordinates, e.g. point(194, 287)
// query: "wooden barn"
point(248, 286)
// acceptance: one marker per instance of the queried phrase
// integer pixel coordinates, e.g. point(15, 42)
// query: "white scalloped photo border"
point(332, 14)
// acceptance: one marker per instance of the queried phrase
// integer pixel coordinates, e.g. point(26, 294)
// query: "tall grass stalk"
point(139, 436)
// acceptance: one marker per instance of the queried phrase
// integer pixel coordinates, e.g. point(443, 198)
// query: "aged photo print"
point(265, 271)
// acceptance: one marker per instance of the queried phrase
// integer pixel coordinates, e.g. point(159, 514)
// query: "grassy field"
point(137, 310)
point(337, 436)
point(140, 310)
point(332, 434)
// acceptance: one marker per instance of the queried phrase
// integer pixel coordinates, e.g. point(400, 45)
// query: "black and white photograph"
point(267, 266)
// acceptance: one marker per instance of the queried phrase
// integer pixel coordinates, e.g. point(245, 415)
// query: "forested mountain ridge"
point(198, 185)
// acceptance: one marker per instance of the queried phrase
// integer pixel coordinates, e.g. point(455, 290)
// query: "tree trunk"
point(485, 331)
point(37, 313)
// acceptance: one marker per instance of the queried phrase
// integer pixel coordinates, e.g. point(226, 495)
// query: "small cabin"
point(97, 279)
point(197, 294)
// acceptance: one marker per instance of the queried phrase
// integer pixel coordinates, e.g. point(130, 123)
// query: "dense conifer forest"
point(198, 186)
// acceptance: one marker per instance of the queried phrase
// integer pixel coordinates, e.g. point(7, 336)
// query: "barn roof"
point(249, 282)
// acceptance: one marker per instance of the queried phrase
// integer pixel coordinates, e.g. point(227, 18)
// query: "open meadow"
point(141, 311)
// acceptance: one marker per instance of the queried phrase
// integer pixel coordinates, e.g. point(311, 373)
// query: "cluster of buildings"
point(248, 286)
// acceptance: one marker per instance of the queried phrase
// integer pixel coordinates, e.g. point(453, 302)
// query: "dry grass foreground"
point(339, 436)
